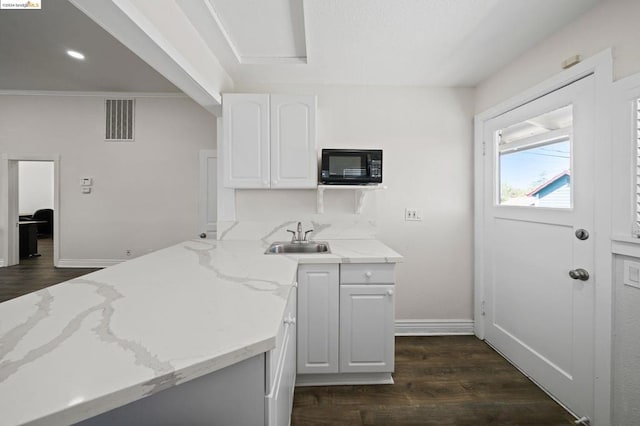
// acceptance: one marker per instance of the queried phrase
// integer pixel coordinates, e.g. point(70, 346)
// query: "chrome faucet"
point(297, 236)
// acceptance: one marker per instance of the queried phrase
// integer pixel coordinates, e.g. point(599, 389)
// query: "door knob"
point(579, 274)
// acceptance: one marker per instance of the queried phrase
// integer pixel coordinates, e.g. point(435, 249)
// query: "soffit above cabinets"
point(259, 31)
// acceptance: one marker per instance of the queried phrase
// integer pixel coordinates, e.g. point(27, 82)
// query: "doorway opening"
point(35, 212)
point(31, 198)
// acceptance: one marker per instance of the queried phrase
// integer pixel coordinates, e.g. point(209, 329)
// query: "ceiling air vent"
point(119, 115)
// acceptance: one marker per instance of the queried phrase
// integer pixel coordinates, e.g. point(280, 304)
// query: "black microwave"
point(351, 166)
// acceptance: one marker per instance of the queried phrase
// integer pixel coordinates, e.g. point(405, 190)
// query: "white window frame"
point(626, 160)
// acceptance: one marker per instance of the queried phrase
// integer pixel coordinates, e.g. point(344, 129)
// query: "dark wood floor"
point(450, 380)
point(35, 273)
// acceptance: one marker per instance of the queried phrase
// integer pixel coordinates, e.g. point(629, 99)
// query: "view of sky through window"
point(534, 160)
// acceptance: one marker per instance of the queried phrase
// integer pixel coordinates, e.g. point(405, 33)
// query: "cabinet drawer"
point(367, 273)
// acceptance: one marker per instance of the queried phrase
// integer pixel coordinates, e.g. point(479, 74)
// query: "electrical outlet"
point(128, 252)
point(412, 215)
point(631, 275)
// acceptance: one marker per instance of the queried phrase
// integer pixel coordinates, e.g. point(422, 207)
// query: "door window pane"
point(534, 161)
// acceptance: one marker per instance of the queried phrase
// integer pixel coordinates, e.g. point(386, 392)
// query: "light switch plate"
point(87, 181)
point(631, 274)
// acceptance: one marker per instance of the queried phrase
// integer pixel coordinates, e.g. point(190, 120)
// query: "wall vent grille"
point(119, 122)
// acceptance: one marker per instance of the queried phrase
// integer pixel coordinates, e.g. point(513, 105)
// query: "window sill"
point(626, 245)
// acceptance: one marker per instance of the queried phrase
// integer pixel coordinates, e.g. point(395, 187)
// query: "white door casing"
point(208, 189)
point(9, 200)
point(12, 244)
point(536, 315)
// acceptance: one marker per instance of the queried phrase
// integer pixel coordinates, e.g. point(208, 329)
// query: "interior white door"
point(538, 210)
point(13, 229)
point(208, 193)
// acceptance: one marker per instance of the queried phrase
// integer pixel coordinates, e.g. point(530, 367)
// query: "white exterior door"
point(366, 328)
point(294, 160)
point(538, 211)
point(318, 298)
point(246, 140)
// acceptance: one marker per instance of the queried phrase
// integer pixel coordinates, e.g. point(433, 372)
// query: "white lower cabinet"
point(281, 369)
point(366, 328)
point(346, 324)
point(318, 316)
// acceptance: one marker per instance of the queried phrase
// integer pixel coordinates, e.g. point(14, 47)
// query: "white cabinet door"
point(318, 298)
point(366, 328)
point(294, 159)
point(281, 366)
point(246, 140)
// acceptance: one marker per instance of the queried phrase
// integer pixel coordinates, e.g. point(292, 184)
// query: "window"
point(534, 160)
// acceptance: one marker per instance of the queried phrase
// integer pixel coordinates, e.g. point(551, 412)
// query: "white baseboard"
point(433, 327)
point(343, 379)
point(1, 263)
point(87, 263)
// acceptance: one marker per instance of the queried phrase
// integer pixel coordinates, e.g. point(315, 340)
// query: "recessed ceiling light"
point(75, 55)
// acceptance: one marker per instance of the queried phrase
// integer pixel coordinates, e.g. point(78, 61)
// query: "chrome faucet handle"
point(299, 231)
point(306, 233)
point(293, 235)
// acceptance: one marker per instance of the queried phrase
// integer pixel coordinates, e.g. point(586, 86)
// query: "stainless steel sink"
point(281, 247)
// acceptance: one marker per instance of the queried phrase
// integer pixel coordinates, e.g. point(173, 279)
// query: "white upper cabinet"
point(269, 141)
point(246, 141)
point(294, 160)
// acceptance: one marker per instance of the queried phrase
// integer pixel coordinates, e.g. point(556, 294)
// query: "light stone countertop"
point(94, 343)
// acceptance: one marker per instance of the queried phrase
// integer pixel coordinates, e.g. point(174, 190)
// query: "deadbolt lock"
point(582, 234)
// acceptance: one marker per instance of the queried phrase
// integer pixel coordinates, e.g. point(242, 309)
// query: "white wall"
point(426, 137)
point(35, 190)
point(145, 193)
point(611, 23)
point(626, 405)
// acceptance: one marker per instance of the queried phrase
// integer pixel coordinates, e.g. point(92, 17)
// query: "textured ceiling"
point(404, 42)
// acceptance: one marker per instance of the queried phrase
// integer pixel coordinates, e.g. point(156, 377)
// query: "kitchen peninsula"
point(87, 346)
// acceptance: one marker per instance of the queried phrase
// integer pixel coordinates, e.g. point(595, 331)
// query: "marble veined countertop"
point(94, 343)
